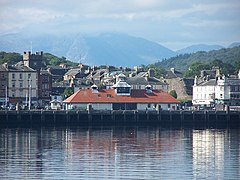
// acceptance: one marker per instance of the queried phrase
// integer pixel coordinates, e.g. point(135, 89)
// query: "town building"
point(220, 90)
point(182, 86)
point(3, 84)
point(22, 83)
point(44, 87)
point(57, 72)
point(121, 97)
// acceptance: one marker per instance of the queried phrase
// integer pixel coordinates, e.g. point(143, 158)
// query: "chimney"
point(172, 70)
point(5, 65)
point(195, 81)
point(151, 72)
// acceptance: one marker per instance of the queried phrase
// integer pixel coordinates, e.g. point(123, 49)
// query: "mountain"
point(183, 61)
point(198, 47)
point(104, 49)
point(235, 44)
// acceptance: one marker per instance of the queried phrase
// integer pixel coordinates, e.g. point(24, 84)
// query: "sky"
point(172, 23)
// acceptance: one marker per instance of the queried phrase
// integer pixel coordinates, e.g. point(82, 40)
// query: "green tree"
point(237, 66)
point(67, 92)
point(195, 69)
point(159, 70)
point(10, 58)
point(225, 68)
point(173, 93)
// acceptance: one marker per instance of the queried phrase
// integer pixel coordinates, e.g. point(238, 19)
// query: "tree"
point(237, 66)
point(225, 68)
point(68, 92)
point(195, 69)
point(11, 58)
point(159, 71)
point(173, 93)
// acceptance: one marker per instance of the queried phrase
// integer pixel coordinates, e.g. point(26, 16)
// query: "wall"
point(182, 89)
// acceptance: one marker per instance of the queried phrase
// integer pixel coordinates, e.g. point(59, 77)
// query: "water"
point(119, 153)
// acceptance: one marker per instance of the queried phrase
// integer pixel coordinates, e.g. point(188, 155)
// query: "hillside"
point(182, 62)
point(104, 49)
point(49, 59)
point(198, 47)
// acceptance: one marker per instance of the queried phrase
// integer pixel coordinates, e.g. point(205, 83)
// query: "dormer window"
point(148, 89)
point(121, 87)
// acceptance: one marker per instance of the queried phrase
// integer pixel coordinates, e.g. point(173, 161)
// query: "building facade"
point(221, 90)
point(22, 84)
point(3, 84)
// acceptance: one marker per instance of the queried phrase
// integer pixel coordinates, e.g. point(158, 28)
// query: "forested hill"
point(182, 62)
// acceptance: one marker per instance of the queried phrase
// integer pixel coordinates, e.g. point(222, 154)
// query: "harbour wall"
point(206, 119)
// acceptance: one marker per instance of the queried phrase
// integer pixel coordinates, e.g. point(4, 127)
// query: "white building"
point(221, 90)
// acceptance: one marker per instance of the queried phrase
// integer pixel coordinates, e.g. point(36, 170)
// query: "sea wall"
point(209, 119)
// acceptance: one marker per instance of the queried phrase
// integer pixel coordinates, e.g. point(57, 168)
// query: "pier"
point(209, 119)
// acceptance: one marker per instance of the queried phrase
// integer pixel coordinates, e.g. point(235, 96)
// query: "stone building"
point(34, 61)
point(182, 86)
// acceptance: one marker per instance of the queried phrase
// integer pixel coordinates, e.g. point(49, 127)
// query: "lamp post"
point(6, 97)
point(30, 93)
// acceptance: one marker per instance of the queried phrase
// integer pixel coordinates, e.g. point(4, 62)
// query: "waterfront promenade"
point(125, 118)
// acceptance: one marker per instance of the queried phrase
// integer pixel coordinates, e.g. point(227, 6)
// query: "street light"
point(30, 92)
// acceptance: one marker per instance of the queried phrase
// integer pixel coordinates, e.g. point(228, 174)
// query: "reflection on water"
point(119, 153)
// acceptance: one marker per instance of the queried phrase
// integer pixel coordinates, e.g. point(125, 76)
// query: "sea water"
point(119, 153)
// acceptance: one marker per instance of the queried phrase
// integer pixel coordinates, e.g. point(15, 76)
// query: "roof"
point(73, 72)
point(170, 74)
point(19, 67)
point(144, 81)
point(121, 84)
point(109, 96)
point(211, 82)
point(234, 82)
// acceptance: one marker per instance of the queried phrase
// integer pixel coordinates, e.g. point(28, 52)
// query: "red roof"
point(109, 96)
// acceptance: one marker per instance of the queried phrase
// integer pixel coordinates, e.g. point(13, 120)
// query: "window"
point(29, 76)
point(20, 76)
point(20, 84)
point(13, 84)
point(13, 76)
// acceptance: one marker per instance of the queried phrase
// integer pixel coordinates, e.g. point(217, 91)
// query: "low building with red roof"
point(121, 97)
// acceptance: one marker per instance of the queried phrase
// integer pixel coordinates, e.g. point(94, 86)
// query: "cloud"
point(158, 20)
